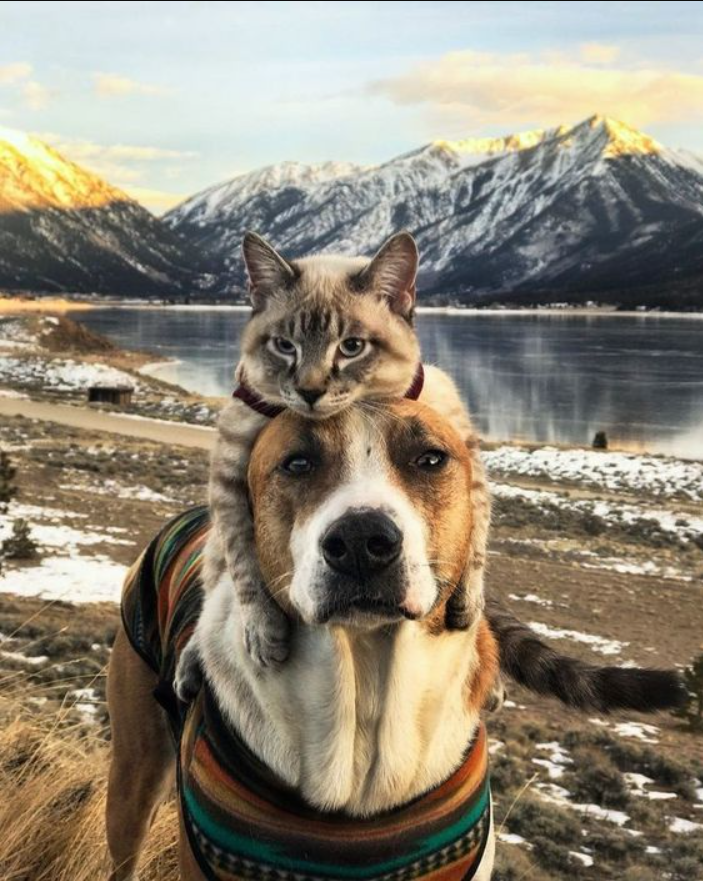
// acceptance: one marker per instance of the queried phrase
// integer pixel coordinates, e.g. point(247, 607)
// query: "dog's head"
point(363, 519)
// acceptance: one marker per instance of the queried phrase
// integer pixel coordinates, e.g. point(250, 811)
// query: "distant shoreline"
point(12, 305)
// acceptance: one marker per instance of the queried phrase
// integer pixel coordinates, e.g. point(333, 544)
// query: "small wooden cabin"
point(118, 395)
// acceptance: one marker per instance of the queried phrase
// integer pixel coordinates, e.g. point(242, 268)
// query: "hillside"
point(62, 228)
point(591, 211)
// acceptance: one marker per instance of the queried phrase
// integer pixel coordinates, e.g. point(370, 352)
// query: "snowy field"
point(658, 476)
point(71, 569)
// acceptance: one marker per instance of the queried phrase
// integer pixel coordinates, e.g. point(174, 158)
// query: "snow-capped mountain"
point(63, 228)
point(593, 209)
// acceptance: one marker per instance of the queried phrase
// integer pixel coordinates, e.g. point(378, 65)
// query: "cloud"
point(87, 151)
point(483, 89)
point(36, 95)
point(126, 166)
point(13, 73)
point(109, 85)
point(156, 201)
point(598, 53)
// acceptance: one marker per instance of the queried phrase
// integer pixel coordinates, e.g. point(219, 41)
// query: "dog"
point(372, 730)
point(365, 755)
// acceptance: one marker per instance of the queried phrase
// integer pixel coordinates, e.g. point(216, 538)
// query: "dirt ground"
point(547, 567)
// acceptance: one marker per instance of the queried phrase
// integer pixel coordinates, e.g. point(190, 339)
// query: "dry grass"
point(52, 802)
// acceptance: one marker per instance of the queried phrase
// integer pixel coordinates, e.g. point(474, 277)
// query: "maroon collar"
point(255, 402)
point(415, 390)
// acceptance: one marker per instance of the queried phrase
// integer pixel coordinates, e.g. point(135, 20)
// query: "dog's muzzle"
point(363, 553)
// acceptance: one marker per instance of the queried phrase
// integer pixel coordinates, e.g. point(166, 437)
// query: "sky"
point(166, 98)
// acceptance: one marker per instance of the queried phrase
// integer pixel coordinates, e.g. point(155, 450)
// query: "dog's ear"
point(392, 273)
point(268, 272)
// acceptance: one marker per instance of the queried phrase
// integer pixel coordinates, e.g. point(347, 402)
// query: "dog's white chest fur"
point(355, 720)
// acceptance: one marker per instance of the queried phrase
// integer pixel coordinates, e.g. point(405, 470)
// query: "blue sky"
point(165, 98)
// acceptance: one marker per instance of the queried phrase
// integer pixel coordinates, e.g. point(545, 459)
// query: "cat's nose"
point(310, 395)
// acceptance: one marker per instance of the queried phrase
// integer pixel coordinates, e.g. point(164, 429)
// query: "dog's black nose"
point(361, 543)
point(310, 395)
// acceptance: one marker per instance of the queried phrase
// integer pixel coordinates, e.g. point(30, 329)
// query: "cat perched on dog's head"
point(328, 331)
point(325, 332)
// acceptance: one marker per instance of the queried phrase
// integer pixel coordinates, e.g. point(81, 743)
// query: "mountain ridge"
point(65, 229)
point(597, 206)
point(595, 210)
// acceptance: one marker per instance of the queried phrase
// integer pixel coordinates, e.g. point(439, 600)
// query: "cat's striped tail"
point(539, 668)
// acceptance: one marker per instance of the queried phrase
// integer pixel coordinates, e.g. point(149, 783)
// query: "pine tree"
point(20, 545)
point(7, 476)
point(692, 712)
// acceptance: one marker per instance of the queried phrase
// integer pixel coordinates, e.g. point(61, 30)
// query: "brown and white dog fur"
point(378, 700)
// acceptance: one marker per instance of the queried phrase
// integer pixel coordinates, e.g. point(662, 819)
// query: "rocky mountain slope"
point(63, 228)
point(591, 211)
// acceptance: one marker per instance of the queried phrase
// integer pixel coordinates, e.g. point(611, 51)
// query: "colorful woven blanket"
point(243, 823)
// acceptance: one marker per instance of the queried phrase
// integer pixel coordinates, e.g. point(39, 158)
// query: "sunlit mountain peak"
point(622, 139)
point(502, 144)
point(34, 176)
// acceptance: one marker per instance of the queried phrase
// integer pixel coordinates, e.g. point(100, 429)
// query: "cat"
point(325, 331)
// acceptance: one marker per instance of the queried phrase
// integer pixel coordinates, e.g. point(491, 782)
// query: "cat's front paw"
point(189, 674)
point(266, 634)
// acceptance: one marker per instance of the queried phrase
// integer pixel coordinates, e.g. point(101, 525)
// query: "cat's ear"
point(267, 270)
point(392, 273)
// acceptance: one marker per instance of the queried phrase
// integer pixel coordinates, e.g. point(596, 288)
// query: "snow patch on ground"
point(685, 526)
point(637, 730)
point(65, 572)
point(530, 598)
point(61, 536)
point(638, 786)
point(558, 795)
point(584, 858)
point(60, 374)
point(86, 701)
point(625, 567)
point(600, 644)
point(116, 490)
point(76, 580)
point(653, 475)
point(557, 759)
point(513, 838)
point(33, 660)
point(679, 824)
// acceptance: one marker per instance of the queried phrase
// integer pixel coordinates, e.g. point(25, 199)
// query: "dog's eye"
point(430, 459)
point(352, 347)
point(297, 464)
point(284, 346)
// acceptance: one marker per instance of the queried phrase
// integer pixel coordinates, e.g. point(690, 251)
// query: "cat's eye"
point(352, 347)
point(284, 346)
point(297, 464)
point(430, 460)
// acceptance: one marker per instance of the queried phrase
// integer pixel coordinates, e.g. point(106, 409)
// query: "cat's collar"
point(415, 390)
point(252, 399)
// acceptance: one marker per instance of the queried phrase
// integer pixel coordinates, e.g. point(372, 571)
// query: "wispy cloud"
point(599, 53)
point(481, 89)
point(124, 165)
point(110, 85)
point(157, 201)
point(36, 95)
point(13, 73)
point(17, 77)
point(83, 151)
